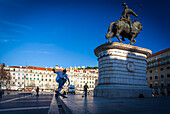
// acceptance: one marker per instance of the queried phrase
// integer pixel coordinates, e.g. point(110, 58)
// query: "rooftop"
point(160, 52)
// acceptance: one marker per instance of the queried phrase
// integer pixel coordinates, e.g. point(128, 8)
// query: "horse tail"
point(110, 27)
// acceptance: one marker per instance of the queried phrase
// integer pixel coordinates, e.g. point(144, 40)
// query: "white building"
point(29, 77)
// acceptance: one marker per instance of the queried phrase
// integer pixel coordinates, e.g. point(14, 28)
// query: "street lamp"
point(24, 81)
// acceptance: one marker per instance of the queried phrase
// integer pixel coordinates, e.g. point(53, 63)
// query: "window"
point(156, 64)
point(168, 85)
point(168, 67)
point(45, 79)
point(156, 70)
point(156, 77)
point(26, 78)
point(13, 73)
point(18, 83)
point(13, 77)
point(168, 75)
point(150, 71)
point(150, 78)
point(162, 85)
point(150, 65)
point(42, 79)
point(18, 77)
point(156, 58)
point(162, 69)
point(162, 76)
point(18, 73)
point(37, 78)
point(150, 86)
point(30, 78)
point(49, 79)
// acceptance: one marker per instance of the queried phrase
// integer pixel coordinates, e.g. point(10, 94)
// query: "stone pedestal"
point(122, 70)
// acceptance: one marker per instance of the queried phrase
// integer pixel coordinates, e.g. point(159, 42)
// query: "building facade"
point(158, 72)
point(80, 76)
point(29, 77)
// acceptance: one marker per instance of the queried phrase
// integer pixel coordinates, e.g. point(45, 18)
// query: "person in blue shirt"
point(61, 78)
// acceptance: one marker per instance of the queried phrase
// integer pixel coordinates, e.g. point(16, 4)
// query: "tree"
point(91, 67)
point(5, 76)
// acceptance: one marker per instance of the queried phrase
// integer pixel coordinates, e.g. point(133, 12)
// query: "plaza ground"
point(30, 104)
point(25, 104)
point(96, 105)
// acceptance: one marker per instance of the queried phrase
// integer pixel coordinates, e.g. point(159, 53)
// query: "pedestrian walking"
point(37, 90)
point(85, 89)
point(1, 91)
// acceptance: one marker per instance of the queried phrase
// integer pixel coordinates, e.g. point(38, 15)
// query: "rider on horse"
point(126, 17)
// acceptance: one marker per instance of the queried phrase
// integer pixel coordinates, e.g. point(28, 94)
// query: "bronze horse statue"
point(123, 29)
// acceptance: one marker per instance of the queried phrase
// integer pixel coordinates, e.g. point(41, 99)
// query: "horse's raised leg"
point(132, 39)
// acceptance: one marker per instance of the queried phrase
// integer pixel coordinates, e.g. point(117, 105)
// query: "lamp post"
point(24, 81)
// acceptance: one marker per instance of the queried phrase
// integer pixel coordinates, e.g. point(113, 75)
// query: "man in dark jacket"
point(85, 89)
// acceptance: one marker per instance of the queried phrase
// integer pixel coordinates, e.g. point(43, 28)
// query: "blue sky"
point(65, 32)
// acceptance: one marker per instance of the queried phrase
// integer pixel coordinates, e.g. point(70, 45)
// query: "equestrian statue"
point(124, 27)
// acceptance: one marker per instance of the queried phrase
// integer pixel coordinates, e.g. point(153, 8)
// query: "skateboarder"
point(61, 78)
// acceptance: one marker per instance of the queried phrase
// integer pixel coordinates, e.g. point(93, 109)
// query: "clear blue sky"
point(65, 32)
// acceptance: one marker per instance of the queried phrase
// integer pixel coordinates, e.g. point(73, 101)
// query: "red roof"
point(37, 68)
point(16, 67)
point(159, 52)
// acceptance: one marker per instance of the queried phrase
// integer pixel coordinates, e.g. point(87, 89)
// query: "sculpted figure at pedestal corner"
point(124, 27)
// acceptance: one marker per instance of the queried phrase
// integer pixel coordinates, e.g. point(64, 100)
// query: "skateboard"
point(59, 94)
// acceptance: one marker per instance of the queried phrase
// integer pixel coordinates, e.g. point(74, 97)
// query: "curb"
point(66, 109)
point(53, 106)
